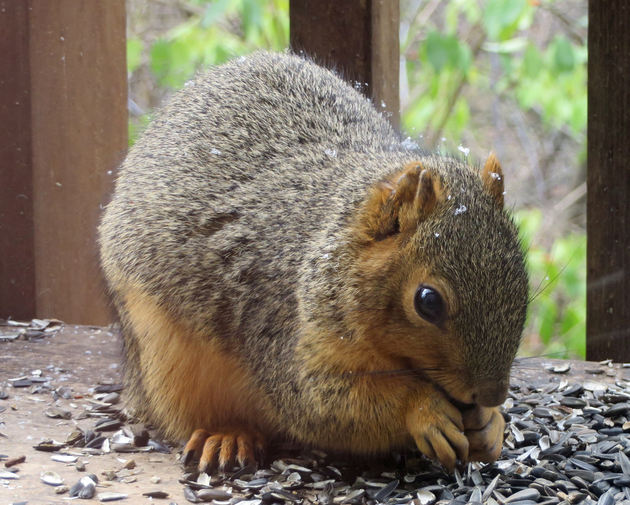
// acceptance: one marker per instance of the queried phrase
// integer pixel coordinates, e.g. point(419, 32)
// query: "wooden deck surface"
point(79, 357)
point(83, 357)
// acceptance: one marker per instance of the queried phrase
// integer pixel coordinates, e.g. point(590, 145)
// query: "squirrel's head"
point(442, 277)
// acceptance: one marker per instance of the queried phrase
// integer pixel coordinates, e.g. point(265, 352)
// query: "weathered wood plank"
point(70, 63)
point(608, 200)
point(359, 39)
point(17, 226)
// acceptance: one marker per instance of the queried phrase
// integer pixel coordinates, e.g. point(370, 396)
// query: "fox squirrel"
point(284, 265)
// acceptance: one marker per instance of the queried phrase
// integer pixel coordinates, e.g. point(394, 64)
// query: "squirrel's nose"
point(492, 395)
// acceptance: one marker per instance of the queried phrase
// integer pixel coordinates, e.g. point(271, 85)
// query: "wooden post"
point(63, 92)
point(608, 199)
point(358, 38)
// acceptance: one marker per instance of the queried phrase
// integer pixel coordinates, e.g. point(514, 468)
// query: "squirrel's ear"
point(492, 177)
point(399, 207)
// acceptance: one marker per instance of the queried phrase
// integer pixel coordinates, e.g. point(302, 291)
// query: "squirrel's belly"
point(187, 380)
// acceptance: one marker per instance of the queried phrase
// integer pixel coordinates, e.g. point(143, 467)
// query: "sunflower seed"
point(426, 497)
point(156, 494)
point(105, 497)
point(213, 494)
point(51, 478)
point(563, 368)
point(64, 458)
point(386, 491)
point(525, 494)
point(594, 386)
point(624, 463)
point(616, 410)
point(58, 413)
point(158, 446)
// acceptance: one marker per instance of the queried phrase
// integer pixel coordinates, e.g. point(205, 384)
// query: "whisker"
point(556, 276)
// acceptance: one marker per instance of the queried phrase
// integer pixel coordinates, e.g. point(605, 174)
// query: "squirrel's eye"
point(428, 304)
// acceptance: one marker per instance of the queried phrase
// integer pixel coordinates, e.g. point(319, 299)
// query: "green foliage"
point(134, 54)
point(558, 308)
point(214, 32)
point(446, 51)
point(554, 80)
point(549, 79)
point(222, 30)
point(502, 17)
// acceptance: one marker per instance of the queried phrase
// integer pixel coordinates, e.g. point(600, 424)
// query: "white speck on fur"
point(409, 144)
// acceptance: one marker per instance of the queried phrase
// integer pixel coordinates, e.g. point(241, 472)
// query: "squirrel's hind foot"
point(221, 449)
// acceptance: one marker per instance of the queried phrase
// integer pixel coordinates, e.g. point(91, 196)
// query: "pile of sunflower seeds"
point(33, 330)
point(102, 408)
point(567, 443)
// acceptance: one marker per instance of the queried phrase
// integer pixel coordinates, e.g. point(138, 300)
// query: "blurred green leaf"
point(160, 57)
point(420, 114)
point(507, 46)
point(558, 279)
point(134, 54)
point(437, 51)
point(136, 127)
point(547, 313)
point(532, 61)
point(501, 17)
point(251, 17)
point(214, 11)
point(458, 119)
point(563, 55)
point(446, 51)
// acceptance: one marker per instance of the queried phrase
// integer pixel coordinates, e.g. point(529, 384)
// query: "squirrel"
point(285, 265)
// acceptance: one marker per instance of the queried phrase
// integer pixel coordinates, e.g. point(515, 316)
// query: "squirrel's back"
point(270, 145)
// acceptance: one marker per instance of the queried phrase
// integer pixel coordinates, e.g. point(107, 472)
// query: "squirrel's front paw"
point(484, 428)
point(222, 448)
point(437, 427)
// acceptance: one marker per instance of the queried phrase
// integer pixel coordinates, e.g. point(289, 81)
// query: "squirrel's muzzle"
point(492, 395)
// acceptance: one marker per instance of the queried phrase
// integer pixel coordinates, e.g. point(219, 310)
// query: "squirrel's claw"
point(484, 429)
point(194, 446)
point(437, 428)
point(220, 450)
point(446, 448)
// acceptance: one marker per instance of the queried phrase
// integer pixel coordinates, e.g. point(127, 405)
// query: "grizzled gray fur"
point(234, 211)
